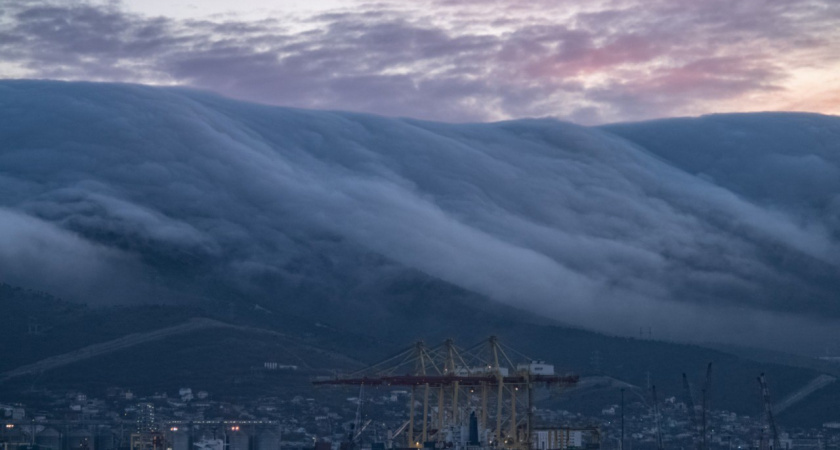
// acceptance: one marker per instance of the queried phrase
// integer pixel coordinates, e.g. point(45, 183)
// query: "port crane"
point(465, 381)
point(699, 421)
point(692, 412)
point(657, 419)
point(706, 393)
point(768, 412)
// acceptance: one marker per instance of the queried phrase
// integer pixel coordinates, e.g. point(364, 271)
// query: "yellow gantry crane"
point(465, 382)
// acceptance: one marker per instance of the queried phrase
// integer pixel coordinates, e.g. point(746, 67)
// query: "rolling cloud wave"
point(721, 228)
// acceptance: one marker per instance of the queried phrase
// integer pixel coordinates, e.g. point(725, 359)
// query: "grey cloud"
point(410, 62)
point(61, 261)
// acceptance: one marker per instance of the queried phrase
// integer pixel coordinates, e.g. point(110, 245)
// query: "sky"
point(585, 61)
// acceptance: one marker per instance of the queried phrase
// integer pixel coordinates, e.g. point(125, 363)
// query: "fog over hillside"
point(722, 228)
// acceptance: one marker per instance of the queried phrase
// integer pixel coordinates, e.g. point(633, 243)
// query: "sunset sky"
point(586, 61)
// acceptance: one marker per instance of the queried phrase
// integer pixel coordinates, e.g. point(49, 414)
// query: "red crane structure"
point(465, 381)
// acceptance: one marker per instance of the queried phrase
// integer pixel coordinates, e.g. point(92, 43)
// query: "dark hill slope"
point(226, 360)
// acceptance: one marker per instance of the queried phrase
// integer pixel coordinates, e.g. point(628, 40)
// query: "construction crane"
point(692, 412)
point(357, 422)
point(399, 430)
point(707, 388)
point(768, 412)
point(656, 419)
point(357, 428)
point(360, 430)
point(699, 420)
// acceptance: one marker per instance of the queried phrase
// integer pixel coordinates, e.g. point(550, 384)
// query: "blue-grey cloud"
point(652, 224)
point(43, 255)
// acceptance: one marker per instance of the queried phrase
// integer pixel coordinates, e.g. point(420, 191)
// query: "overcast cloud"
point(585, 61)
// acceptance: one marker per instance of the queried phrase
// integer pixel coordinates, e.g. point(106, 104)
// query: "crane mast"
point(656, 418)
point(483, 370)
point(768, 412)
point(692, 412)
point(707, 388)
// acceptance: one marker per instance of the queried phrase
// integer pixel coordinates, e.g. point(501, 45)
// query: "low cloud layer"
point(42, 255)
point(161, 188)
point(585, 61)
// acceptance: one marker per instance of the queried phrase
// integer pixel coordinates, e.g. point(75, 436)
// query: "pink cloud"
point(627, 49)
point(711, 77)
point(593, 61)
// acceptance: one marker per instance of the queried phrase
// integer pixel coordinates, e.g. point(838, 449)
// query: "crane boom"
point(401, 429)
point(692, 411)
point(361, 430)
point(768, 412)
point(707, 388)
point(659, 445)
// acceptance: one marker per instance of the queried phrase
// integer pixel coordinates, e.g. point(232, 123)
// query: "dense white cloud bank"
point(720, 228)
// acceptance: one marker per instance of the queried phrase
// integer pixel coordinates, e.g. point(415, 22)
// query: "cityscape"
point(363, 411)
